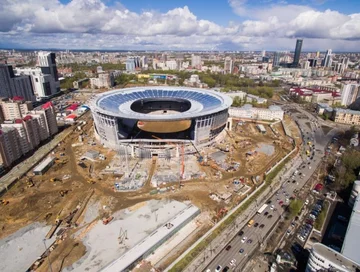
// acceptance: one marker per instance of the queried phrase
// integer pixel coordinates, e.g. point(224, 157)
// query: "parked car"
point(218, 268)
point(241, 233)
point(228, 248)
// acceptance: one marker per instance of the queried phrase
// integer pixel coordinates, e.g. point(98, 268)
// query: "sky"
point(236, 25)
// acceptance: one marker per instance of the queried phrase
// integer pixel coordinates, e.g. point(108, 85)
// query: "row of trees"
point(67, 83)
point(76, 67)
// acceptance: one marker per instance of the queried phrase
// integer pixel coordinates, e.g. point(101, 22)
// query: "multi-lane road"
point(236, 253)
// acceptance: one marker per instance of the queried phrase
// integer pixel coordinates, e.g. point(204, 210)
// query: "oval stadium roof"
point(118, 102)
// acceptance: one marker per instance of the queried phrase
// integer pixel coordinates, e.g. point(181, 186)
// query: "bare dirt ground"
point(43, 202)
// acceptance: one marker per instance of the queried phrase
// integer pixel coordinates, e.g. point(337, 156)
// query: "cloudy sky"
point(180, 24)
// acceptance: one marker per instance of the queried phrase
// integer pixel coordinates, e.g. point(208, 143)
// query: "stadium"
point(154, 121)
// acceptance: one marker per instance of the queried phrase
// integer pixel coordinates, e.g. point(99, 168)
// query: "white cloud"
point(94, 24)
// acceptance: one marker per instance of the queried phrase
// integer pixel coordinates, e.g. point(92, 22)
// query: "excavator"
point(29, 182)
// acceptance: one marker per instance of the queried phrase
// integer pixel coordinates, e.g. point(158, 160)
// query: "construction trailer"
point(261, 128)
point(43, 166)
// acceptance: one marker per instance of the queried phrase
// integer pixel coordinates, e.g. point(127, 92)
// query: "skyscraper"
point(47, 64)
point(297, 53)
point(327, 61)
point(195, 61)
point(228, 65)
point(349, 93)
point(11, 85)
point(276, 60)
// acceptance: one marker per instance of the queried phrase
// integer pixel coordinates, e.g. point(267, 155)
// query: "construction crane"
point(200, 158)
point(122, 236)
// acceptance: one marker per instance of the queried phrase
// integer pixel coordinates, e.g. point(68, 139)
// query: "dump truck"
point(107, 220)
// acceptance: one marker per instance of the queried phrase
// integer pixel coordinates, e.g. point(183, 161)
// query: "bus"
point(263, 207)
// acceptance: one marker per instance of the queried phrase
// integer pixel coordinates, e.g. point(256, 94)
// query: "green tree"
point(295, 207)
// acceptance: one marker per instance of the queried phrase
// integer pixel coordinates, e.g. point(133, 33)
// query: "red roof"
point(18, 98)
point(71, 116)
point(318, 187)
point(27, 117)
point(47, 105)
point(73, 107)
point(18, 121)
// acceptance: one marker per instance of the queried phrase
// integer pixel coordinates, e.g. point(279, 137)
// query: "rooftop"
point(352, 237)
point(152, 240)
point(118, 102)
point(335, 257)
point(347, 111)
point(43, 164)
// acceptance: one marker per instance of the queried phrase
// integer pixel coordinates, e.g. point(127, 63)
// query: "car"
point(266, 213)
point(256, 224)
point(288, 181)
point(218, 268)
point(281, 202)
point(288, 232)
point(241, 250)
point(228, 248)
point(249, 241)
point(261, 226)
point(269, 216)
point(243, 240)
point(269, 202)
point(233, 262)
point(272, 207)
point(241, 233)
point(226, 268)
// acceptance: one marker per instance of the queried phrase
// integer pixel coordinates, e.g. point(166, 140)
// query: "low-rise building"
point(249, 112)
point(323, 258)
point(253, 98)
point(104, 80)
point(345, 116)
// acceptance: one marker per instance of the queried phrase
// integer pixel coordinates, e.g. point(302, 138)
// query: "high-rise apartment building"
point(49, 111)
point(21, 134)
point(133, 63)
point(15, 108)
point(10, 149)
point(195, 61)
point(40, 118)
point(44, 78)
point(327, 61)
point(349, 93)
point(11, 85)
point(276, 59)
point(297, 53)
point(228, 65)
point(47, 64)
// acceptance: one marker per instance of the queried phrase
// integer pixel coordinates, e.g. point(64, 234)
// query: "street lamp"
point(48, 255)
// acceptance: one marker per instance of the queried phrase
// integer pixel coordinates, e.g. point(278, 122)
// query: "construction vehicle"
point(63, 192)
point(4, 202)
point(30, 183)
point(221, 213)
point(91, 181)
point(54, 179)
point(107, 220)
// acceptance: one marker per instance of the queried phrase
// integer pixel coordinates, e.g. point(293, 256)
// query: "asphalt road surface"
point(242, 246)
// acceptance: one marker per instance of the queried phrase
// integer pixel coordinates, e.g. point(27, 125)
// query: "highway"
point(252, 237)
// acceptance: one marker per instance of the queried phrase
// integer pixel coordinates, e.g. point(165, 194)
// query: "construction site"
point(91, 205)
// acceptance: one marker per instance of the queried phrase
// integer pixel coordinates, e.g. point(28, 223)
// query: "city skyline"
point(234, 25)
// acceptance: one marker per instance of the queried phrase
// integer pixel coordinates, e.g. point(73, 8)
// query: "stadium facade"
point(148, 121)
